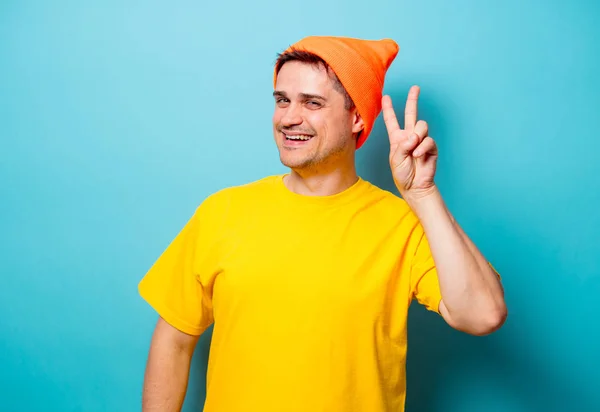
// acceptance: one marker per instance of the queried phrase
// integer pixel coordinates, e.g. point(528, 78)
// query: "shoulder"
point(390, 204)
point(387, 197)
point(246, 189)
point(391, 211)
point(221, 200)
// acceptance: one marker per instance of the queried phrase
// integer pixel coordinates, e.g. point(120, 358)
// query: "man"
point(308, 276)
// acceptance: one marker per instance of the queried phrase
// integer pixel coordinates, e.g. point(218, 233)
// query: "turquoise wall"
point(118, 118)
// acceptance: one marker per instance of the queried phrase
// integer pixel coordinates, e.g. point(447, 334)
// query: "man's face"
point(311, 125)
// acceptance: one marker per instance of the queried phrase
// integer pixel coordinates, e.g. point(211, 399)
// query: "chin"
point(294, 162)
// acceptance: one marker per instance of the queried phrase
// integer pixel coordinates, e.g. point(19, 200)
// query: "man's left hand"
point(413, 153)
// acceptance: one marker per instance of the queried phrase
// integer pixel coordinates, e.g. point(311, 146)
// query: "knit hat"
point(360, 65)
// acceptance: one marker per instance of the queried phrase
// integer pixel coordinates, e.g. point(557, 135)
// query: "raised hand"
point(413, 154)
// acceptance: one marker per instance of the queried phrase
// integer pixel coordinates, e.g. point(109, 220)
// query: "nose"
point(292, 116)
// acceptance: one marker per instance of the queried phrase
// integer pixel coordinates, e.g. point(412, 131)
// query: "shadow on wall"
point(447, 369)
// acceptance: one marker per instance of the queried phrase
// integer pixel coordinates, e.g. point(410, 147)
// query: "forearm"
point(471, 291)
point(481, 260)
point(167, 372)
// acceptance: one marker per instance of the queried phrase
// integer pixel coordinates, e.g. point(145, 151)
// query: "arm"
point(472, 295)
point(167, 369)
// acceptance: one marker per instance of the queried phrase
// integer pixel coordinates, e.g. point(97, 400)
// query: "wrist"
point(419, 198)
point(426, 204)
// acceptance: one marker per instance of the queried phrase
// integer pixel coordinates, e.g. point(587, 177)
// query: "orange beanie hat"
point(360, 65)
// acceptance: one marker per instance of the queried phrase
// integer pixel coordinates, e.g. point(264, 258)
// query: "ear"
point(357, 122)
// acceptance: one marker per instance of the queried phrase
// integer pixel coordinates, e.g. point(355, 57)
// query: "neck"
point(321, 183)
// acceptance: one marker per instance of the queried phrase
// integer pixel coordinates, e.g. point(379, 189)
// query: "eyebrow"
point(303, 96)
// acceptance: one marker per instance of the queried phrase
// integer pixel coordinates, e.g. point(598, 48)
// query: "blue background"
point(118, 118)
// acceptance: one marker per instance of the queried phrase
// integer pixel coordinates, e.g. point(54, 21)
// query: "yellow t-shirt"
point(309, 296)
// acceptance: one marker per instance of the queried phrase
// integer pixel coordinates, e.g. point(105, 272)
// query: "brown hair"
point(312, 59)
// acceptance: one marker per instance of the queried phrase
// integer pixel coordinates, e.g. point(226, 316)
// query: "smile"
point(297, 137)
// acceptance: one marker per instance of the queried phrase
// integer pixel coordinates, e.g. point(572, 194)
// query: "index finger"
point(411, 111)
point(389, 116)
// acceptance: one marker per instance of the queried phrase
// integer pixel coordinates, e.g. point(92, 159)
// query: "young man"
point(308, 276)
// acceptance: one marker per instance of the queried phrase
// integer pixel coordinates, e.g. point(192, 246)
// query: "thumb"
point(406, 146)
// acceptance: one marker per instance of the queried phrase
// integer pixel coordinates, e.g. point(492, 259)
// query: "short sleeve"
point(175, 284)
point(425, 285)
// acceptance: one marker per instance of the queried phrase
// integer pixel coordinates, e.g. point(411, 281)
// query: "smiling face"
point(312, 125)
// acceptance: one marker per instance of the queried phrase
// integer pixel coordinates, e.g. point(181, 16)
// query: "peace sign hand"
point(413, 154)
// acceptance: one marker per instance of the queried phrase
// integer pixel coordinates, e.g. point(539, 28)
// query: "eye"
point(313, 104)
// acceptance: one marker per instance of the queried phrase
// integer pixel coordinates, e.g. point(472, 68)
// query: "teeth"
point(299, 137)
